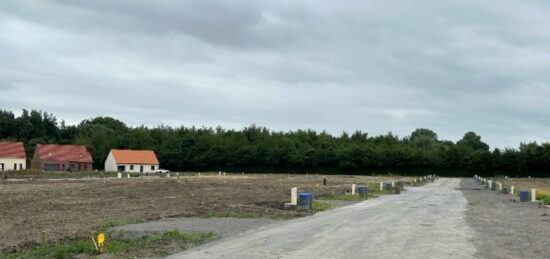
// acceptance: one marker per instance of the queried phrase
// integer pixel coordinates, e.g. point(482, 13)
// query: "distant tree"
point(424, 139)
point(191, 148)
point(472, 141)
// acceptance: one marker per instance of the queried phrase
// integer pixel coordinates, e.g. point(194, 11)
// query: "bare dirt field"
point(542, 184)
point(35, 210)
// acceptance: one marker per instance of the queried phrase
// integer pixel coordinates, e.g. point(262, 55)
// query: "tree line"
point(191, 148)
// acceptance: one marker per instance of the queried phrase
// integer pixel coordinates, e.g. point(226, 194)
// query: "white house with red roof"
point(12, 156)
point(138, 161)
point(51, 157)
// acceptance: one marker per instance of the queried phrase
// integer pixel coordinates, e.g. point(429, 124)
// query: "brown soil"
point(31, 210)
point(541, 184)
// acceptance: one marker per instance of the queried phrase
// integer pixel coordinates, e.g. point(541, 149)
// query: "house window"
point(14, 166)
point(152, 168)
point(20, 166)
point(132, 167)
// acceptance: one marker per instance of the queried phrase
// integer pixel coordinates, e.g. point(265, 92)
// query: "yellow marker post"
point(100, 241)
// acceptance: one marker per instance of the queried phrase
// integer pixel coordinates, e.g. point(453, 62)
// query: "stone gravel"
point(505, 229)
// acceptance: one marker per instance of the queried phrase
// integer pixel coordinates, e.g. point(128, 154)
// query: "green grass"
point(543, 197)
point(340, 197)
point(32, 173)
point(115, 245)
point(232, 214)
point(319, 206)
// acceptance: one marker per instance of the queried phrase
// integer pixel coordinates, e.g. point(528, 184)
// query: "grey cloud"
point(375, 65)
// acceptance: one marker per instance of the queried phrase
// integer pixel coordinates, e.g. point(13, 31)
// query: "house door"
point(1, 167)
point(141, 169)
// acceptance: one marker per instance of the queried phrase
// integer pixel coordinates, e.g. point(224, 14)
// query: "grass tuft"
point(232, 214)
point(340, 197)
point(319, 206)
point(115, 246)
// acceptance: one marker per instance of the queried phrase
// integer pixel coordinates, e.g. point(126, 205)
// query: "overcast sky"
point(375, 66)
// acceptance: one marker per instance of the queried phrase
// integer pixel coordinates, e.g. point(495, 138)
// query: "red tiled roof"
point(12, 150)
point(73, 153)
point(145, 157)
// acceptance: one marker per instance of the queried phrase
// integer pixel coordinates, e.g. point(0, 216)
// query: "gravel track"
point(223, 227)
point(506, 229)
point(425, 222)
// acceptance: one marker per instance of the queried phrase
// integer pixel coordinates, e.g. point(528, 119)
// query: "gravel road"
point(424, 222)
point(223, 227)
point(506, 229)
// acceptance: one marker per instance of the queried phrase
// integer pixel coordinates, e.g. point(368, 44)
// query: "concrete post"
point(392, 184)
point(294, 196)
point(168, 175)
point(199, 174)
point(128, 176)
point(533, 195)
point(220, 173)
point(381, 186)
point(119, 175)
point(512, 190)
point(353, 189)
point(500, 187)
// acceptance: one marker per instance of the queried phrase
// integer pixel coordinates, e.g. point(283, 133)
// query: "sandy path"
point(425, 222)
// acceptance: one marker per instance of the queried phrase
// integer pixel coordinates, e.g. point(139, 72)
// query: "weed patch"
point(319, 206)
point(116, 245)
point(232, 214)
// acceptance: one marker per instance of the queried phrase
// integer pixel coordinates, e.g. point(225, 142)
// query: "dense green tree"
point(191, 148)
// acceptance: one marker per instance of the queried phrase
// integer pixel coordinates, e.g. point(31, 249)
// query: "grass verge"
point(319, 206)
point(116, 246)
point(232, 214)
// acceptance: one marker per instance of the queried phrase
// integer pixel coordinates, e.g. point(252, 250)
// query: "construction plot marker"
point(353, 189)
point(293, 198)
point(533, 195)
